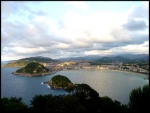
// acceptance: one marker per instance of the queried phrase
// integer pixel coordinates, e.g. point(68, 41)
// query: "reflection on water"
point(116, 85)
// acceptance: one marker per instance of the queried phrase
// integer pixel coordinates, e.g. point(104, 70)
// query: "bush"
point(139, 99)
point(12, 104)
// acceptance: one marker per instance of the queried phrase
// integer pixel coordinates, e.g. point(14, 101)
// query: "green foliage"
point(31, 67)
point(61, 103)
point(88, 97)
point(23, 62)
point(86, 90)
point(60, 81)
point(73, 104)
point(40, 102)
point(108, 105)
point(12, 104)
point(139, 99)
point(82, 99)
point(56, 79)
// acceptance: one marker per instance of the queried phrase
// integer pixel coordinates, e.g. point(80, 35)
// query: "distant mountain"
point(135, 56)
point(89, 57)
point(5, 62)
point(112, 59)
point(123, 59)
point(23, 62)
point(138, 57)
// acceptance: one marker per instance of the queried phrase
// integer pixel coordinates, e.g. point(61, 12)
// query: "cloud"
point(133, 24)
point(139, 11)
point(93, 27)
point(145, 44)
point(81, 5)
point(27, 32)
point(98, 52)
point(134, 49)
point(60, 46)
point(29, 50)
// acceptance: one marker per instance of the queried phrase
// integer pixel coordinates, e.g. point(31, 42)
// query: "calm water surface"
point(114, 84)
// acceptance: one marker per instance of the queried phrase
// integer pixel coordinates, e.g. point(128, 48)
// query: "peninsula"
point(33, 69)
point(59, 82)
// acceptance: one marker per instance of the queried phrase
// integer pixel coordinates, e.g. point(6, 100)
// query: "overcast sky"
point(69, 29)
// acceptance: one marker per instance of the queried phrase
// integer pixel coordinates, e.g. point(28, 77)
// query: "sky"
point(57, 29)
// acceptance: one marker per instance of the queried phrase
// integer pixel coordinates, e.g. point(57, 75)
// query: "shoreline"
point(49, 73)
point(113, 70)
point(11, 66)
point(131, 72)
point(145, 74)
point(32, 75)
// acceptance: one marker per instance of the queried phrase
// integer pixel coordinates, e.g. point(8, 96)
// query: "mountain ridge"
point(96, 57)
point(24, 61)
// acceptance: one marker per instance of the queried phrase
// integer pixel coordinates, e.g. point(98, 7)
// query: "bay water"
point(115, 84)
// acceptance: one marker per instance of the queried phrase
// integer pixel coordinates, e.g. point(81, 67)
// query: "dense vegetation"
point(23, 62)
point(12, 104)
point(60, 81)
point(33, 68)
point(139, 99)
point(82, 99)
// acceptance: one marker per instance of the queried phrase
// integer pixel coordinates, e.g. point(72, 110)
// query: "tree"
point(12, 104)
point(139, 99)
point(82, 99)
point(87, 96)
point(108, 105)
point(39, 102)
point(72, 104)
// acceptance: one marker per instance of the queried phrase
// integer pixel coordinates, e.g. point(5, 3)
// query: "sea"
point(115, 84)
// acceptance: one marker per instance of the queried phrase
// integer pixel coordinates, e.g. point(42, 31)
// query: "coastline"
point(130, 72)
point(144, 74)
point(49, 73)
point(32, 75)
point(51, 86)
point(49, 83)
point(11, 66)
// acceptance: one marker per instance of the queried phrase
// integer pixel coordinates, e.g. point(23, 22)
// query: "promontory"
point(60, 82)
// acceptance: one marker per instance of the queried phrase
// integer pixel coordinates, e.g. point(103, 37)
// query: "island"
point(33, 69)
point(60, 82)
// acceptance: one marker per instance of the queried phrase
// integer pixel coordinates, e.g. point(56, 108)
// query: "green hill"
point(59, 81)
point(124, 59)
point(32, 69)
point(23, 62)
